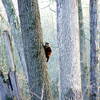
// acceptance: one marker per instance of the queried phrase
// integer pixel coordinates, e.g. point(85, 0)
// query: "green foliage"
point(52, 0)
point(8, 98)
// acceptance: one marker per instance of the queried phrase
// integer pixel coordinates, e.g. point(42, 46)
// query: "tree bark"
point(93, 31)
point(12, 67)
point(68, 41)
point(15, 32)
point(33, 49)
point(83, 55)
point(98, 51)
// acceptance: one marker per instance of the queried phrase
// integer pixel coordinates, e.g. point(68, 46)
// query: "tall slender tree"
point(33, 49)
point(68, 41)
point(98, 52)
point(93, 31)
point(83, 54)
point(15, 31)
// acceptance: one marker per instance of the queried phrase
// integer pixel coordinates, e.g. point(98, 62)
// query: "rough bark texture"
point(93, 31)
point(68, 41)
point(12, 73)
point(4, 91)
point(15, 31)
point(33, 49)
point(83, 55)
point(98, 51)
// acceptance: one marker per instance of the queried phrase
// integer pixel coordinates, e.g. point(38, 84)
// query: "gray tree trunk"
point(15, 31)
point(33, 49)
point(12, 67)
point(93, 31)
point(68, 41)
point(83, 55)
point(98, 51)
point(4, 92)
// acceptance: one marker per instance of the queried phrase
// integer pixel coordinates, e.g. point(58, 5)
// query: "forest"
point(49, 49)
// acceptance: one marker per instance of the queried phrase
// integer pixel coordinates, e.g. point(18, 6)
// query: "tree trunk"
point(68, 41)
point(33, 49)
point(4, 91)
point(98, 52)
point(12, 67)
point(15, 32)
point(83, 55)
point(93, 31)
